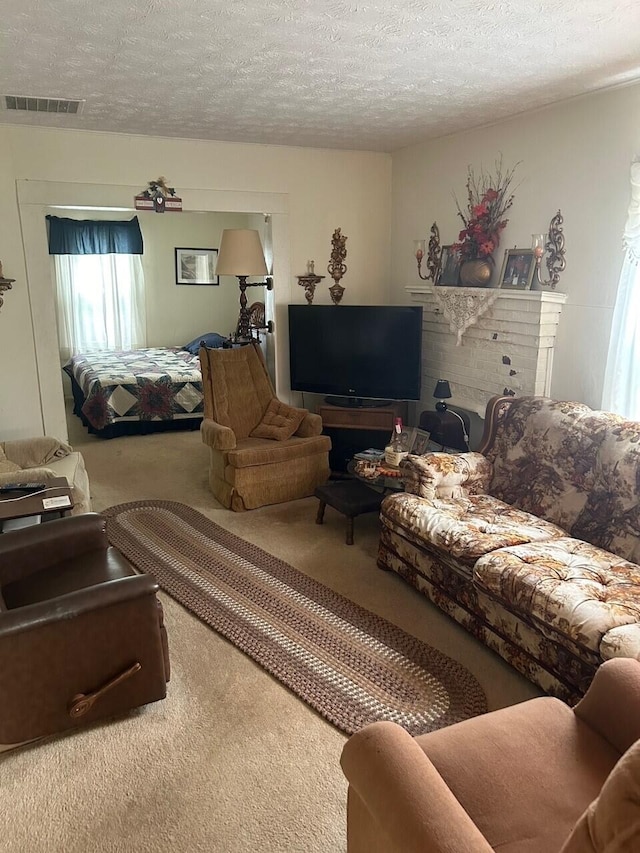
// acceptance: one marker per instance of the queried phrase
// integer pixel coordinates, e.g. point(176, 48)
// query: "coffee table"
point(54, 501)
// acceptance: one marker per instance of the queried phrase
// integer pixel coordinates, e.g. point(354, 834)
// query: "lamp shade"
point(442, 390)
point(240, 253)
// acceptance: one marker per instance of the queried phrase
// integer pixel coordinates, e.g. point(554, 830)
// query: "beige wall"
point(324, 189)
point(576, 157)
point(178, 313)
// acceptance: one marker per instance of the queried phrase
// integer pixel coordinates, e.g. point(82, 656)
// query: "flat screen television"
point(356, 353)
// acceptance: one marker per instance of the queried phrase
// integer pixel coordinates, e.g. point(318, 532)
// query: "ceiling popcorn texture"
point(378, 74)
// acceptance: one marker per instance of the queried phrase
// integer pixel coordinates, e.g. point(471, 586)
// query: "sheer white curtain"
point(622, 377)
point(100, 302)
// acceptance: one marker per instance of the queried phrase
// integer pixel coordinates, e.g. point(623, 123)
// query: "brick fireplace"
point(508, 350)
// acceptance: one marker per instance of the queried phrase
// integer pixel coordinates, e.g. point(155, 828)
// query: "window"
point(622, 378)
point(100, 302)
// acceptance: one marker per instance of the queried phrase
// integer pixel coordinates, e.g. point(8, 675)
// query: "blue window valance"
point(94, 236)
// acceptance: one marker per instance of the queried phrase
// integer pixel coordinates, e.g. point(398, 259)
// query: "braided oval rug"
point(352, 666)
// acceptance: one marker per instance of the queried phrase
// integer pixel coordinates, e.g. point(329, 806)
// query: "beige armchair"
point(35, 460)
point(261, 451)
point(537, 777)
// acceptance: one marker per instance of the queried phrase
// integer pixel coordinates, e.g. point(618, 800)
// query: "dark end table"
point(349, 497)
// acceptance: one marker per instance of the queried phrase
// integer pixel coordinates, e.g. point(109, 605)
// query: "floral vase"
point(476, 273)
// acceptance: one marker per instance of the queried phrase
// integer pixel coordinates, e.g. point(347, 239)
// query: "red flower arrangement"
point(488, 199)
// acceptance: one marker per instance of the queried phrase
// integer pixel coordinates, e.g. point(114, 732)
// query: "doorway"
point(37, 198)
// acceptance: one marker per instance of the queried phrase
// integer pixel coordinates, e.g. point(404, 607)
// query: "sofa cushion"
point(573, 466)
point(621, 642)
point(578, 590)
point(279, 421)
point(466, 528)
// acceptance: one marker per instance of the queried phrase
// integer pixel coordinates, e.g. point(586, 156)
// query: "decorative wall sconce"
point(337, 267)
point(309, 281)
point(241, 255)
point(554, 245)
point(5, 284)
point(434, 256)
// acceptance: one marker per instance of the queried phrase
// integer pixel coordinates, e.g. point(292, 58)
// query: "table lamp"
point(442, 392)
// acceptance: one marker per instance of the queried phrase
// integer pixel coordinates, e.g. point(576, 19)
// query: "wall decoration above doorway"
point(196, 266)
point(158, 197)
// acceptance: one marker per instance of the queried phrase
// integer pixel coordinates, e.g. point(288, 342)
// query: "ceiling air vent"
point(42, 105)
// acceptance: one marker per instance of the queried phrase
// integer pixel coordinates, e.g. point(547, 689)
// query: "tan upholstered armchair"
point(261, 451)
point(34, 460)
point(81, 634)
point(537, 777)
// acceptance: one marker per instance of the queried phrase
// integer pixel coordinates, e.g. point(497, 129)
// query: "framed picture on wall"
point(518, 268)
point(196, 266)
point(449, 268)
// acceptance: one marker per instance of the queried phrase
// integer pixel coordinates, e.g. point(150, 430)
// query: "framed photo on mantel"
point(449, 268)
point(518, 268)
point(196, 266)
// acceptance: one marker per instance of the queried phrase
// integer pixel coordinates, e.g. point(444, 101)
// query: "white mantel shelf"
point(509, 348)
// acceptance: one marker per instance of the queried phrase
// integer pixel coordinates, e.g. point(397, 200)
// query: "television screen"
point(356, 351)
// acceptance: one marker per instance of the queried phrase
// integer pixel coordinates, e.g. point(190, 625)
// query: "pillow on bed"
point(210, 339)
point(279, 422)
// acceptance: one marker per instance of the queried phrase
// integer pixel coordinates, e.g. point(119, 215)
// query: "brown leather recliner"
point(81, 633)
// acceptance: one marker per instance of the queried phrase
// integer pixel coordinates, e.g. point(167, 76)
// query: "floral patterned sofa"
point(532, 543)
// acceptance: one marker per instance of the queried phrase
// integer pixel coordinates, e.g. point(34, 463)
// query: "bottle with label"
point(396, 450)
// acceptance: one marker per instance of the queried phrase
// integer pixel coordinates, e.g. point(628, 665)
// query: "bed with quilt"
point(137, 391)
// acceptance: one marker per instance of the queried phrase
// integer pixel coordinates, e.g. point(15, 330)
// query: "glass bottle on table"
point(397, 449)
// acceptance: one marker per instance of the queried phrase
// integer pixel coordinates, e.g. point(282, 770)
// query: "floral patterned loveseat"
point(532, 543)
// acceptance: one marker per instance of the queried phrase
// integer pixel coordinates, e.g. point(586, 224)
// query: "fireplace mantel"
point(508, 349)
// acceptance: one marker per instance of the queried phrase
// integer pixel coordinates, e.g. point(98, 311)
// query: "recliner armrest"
point(66, 607)
point(216, 436)
point(311, 425)
point(611, 705)
point(23, 552)
point(405, 795)
point(446, 475)
point(33, 452)
point(28, 475)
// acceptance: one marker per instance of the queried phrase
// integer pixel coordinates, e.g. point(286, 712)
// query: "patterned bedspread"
point(153, 384)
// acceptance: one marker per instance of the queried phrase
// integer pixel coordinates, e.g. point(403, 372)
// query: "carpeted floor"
point(231, 760)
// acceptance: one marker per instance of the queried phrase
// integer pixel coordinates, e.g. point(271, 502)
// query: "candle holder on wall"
point(337, 267)
point(434, 256)
point(5, 284)
point(553, 244)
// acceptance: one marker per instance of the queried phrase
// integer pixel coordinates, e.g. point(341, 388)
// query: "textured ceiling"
point(377, 74)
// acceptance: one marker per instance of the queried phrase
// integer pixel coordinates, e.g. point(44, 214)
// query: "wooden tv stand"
point(375, 418)
point(353, 430)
